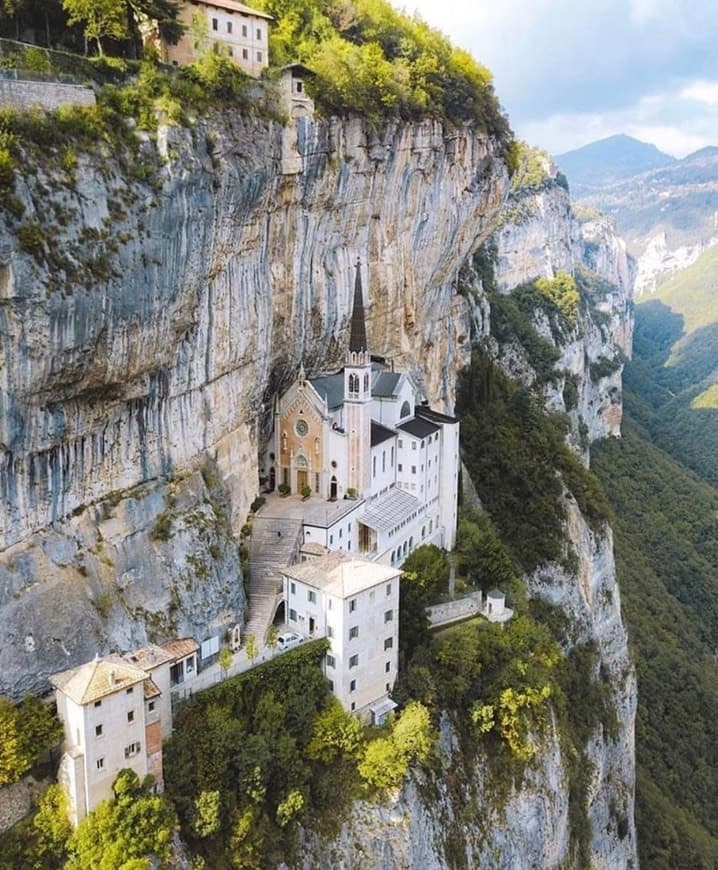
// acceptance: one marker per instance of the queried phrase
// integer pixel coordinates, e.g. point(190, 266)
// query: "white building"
point(361, 434)
point(116, 711)
point(230, 28)
point(355, 604)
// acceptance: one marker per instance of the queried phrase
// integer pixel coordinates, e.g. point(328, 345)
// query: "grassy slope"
point(675, 373)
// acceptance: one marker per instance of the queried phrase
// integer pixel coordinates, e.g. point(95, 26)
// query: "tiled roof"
point(151, 689)
point(430, 414)
point(149, 657)
point(419, 427)
point(340, 574)
point(385, 384)
point(232, 6)
point(386, 512)
point(183, 646)
point(97, 679)
point(331, 388)
point(380, 433)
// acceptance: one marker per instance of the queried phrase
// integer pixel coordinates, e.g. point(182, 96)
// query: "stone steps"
point(274, 544)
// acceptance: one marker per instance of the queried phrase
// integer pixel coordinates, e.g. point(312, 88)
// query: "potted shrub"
point(351, 492)
point(284, 489)
point(306, 491)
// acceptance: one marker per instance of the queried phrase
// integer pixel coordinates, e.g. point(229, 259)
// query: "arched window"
point(301, 461)
point(316, 446)
point(405, 410)
point(284, 441)
point(366, 383)
point(353, 385)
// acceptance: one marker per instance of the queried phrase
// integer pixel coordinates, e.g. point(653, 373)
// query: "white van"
point(288, 640)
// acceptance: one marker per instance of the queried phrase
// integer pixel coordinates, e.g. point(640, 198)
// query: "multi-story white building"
point(232, 29)
point(353, 602)
point(116, 712)
point(361, 435)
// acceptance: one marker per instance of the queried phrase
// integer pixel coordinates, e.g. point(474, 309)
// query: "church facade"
point(361, 439)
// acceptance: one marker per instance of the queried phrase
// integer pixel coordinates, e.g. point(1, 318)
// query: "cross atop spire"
point(357, 336)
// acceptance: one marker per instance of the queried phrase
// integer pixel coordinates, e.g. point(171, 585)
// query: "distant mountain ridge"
point(609, 161)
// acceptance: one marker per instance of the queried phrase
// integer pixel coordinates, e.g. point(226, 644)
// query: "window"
point(392, 457)
point(293, 615)
point(229, 27)
point(244, 30)
point(301, 428)
point(130, 690)
point(354, 661)
point(400, 467)
point(331, 685)
point(388, 616)
point(100, 763)
point(353, 686)
point(259, 56)
point(388, 588)
point(133, 749)
point(98, 730)
point(230, 52)
point(151, 706)
point(352, 605)
point(422, 443)
point(215, 24)
point(331, 661)
point(413, 469)
point(388, 643)
point(131, 716)
point(373, 466)
point(401, 444)
point(353, 632)
point(311, 596)
point(189, 665)
point(245, 56)
point(292, 588)
point(353, 705)
point(330, 631)
point(299, 87)
point(259, 36)
point(387, 667)
point(341, 531)
point(383, 460)
point(331, 540)
point(98, 703)
point(413, 445)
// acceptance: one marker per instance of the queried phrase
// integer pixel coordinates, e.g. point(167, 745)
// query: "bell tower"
point(357, 395)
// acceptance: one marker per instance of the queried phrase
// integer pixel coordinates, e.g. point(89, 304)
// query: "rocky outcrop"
point(152, 323)
point(540, 236)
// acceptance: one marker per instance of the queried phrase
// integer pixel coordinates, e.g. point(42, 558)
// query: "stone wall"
point(17, 800)
point(452, 611)
point(43, 95)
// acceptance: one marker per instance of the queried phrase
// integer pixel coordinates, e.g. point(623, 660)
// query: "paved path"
point(274, 543)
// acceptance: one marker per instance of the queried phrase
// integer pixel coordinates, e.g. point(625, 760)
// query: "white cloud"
point(702, 92)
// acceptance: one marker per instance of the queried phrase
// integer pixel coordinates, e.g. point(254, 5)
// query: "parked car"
point(288, 640)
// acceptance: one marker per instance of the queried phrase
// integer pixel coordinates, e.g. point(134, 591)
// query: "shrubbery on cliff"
point(377, 62)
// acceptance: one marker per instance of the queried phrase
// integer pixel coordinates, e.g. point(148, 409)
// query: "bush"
point(31, 239)
point(306, 491)
point(284, 488)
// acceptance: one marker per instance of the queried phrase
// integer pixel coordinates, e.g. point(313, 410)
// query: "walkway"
point(274, 543)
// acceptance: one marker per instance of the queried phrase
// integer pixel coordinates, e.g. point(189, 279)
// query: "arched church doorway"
point(333, 488)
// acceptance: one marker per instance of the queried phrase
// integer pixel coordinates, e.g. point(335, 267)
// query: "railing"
point(28, 75)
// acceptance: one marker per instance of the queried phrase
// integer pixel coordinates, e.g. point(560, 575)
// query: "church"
point(360, 440)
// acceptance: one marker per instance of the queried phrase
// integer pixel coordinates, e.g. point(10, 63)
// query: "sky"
point(569, 72)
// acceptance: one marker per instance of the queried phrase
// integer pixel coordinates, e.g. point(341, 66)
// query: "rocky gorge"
point(137, 377)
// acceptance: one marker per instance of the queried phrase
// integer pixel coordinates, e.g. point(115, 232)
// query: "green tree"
point(290, 807)
point(26, 733)
point(225, 660)
point(53, 828)
point(252, 648)
point(207, 813)
point(335, 733)
point(272, 637)
point(134, 826)
point(100, 19)
point(382, 766)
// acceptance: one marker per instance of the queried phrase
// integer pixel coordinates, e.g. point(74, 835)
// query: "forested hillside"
point(666, 530)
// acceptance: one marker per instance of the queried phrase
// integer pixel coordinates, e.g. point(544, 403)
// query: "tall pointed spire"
point(357, 337)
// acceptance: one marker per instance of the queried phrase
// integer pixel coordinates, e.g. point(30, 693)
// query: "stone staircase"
point(274, 543)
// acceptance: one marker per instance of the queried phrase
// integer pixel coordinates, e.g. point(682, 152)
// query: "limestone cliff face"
point(152, 327)
point(540, 235)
